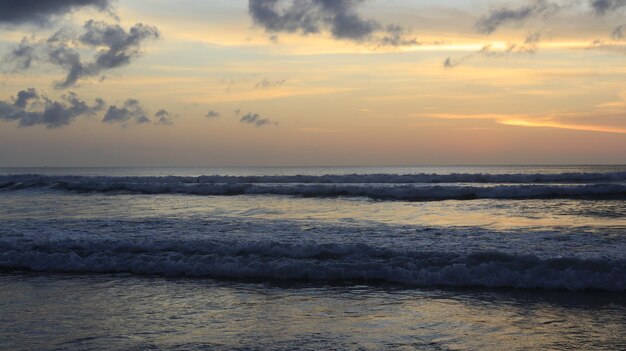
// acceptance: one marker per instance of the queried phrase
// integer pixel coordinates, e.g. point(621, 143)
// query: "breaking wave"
point(420, 187)
point(517, 178)
point(313, 262)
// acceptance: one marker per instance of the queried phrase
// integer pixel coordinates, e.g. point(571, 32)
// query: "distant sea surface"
point(356, 258)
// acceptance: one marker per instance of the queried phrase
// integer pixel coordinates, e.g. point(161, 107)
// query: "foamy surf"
point(326, 262)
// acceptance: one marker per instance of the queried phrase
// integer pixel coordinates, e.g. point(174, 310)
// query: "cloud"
point(112, 47)
point(120, 46)
point(601, 7)
point(255, 118)
point(571, 121)
point(30, 108)
point(599, 44)
point(24, 97)
point(339, 17)
point(529, 46)
point(163, 117)
point(311, 16)
point(130, 112)
point(39, 12)
point(531, 42)
point(502, 16)
point(618, 33)
point(397, 36)
point(450, 63)
point(212, 114)
point(266, 83)
point(22, 56)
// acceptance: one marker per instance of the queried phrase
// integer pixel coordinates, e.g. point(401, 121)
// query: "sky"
point(312, 82)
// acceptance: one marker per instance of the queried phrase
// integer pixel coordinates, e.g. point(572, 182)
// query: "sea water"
point(519, 257)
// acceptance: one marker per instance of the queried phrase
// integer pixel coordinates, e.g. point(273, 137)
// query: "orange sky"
point(411, 82)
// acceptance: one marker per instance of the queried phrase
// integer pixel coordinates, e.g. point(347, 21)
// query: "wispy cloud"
point(561, 125)
point(266, 83)
point(529, 46)
point(556, 120)
point(618, 33)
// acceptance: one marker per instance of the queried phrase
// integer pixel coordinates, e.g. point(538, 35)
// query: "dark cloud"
point(39, 11)
point(266, 83)
point(311, 16)
point(618, 33)
point(502, 16)
point(24, 97)
point(340, 17)
point(256, 119)
point(212, 114)
point(131, 112)
point(601, 7)
point(30, 108)
point(113, 47)
point(119, 46)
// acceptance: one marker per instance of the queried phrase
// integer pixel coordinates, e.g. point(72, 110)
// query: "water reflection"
point(129, 312)
point(494, 214)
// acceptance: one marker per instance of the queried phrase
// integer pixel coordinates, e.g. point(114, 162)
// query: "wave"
point(313, 262)
point(377, 191)
point(423, 178)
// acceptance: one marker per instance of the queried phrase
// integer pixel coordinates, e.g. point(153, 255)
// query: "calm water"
point(313, 258)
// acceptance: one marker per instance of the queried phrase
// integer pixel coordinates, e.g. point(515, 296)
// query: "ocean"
point(313, 258)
